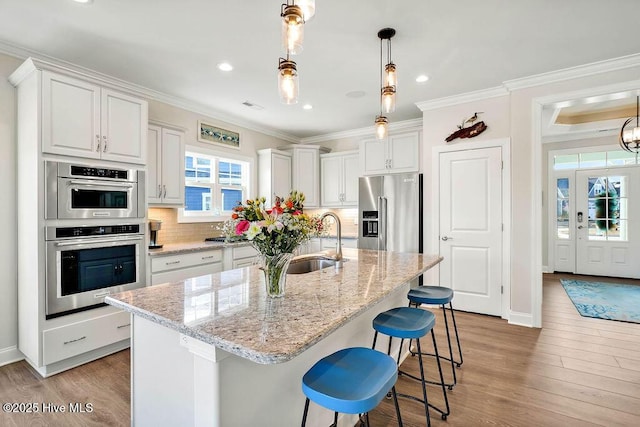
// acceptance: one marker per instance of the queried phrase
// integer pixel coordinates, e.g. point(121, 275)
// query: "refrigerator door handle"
point(382, 226)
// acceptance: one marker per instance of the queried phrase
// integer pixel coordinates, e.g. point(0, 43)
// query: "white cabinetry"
point(305, 171)
point(395, 154)
point(274, 174)
point(242, 256)
point(165, 178)
point(82, 119)
point(339, 172)
point(174, 268)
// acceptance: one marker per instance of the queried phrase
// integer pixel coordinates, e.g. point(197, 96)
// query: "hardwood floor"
point(575, 371)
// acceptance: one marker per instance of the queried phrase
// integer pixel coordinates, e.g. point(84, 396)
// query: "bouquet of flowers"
point(274, 232)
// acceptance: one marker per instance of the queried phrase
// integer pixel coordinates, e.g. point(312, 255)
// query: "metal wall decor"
point(213, 134)
point(473, 128)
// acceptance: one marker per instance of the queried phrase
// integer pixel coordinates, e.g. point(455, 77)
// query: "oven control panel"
point(99, 172)
point(98, 230)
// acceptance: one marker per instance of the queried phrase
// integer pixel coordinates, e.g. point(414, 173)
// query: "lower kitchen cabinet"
point(243, 256)
point(71, 340)
point(174, 268)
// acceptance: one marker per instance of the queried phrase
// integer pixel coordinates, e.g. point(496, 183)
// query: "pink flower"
point(242, 226)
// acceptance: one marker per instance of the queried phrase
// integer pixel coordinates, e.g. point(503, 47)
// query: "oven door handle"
point(101, 184)
point(93, 241)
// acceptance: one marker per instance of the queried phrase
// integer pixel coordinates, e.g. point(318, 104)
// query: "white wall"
point(8, 220)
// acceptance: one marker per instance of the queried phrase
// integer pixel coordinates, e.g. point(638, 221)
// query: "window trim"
point(196, 217)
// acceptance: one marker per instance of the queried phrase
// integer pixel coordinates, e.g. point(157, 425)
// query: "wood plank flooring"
point(575, 371)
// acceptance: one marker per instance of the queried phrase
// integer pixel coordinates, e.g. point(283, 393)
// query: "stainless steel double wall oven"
point(96, 245)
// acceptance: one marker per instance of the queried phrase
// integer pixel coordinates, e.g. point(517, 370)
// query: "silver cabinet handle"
point(98, 141)
point(172, 263)
point(123, 326)
point(165, 190)
point(208, 257)
point(76, 340)
point(159, 190)
point(104, 145)
point(445, 238)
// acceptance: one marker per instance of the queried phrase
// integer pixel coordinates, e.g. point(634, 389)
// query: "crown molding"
point(462, 98)
point(579, 71)
point(411, 124)
point(42, 61)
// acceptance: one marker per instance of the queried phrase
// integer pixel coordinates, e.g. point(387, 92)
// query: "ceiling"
point(174, 46)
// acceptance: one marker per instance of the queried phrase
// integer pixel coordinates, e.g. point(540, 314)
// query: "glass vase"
point(275, 273)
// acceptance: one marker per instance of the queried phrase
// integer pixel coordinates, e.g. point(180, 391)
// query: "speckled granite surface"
point(181, 248)
point(231, 310)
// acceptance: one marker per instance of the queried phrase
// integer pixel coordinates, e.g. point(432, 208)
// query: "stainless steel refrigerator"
point(391, 212)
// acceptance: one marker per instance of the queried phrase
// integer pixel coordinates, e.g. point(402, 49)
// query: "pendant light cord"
point(381, 66)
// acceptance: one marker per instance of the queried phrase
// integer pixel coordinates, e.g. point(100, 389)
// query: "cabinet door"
point(404, 152)
point(70, 116)
point(124, 127)
point(306, 175)
point(172, 167)
point(350, 176)
point(154, 153)
point(280, 175)
point(331, 188)
point(374, 156)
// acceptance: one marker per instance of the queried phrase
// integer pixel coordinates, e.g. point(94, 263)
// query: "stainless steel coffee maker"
point(154, 226)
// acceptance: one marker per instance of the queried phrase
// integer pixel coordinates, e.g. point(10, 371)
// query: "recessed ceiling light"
point(422, 78)
point(83, 1)
point(307, 106)
point(225, 66)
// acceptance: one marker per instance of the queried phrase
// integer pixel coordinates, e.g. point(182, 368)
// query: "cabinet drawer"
point(244, 252)
point(77, 338)
point(185, 273)
point(173, 262)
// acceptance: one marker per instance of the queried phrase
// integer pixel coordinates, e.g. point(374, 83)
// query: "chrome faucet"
point(338, 254)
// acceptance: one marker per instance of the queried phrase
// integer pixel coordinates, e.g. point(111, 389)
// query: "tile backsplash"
point(174, 232)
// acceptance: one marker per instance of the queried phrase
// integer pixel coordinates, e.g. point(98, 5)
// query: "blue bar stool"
point(412, 324)
point(439, 295)
point(352, 381)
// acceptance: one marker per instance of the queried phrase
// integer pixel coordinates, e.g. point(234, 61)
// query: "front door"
point(471, 228)
point(607, 225)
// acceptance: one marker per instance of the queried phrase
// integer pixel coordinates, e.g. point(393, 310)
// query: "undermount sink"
point(307, 265)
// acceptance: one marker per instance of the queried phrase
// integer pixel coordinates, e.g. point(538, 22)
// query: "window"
point(594, 159)
point(213, 186)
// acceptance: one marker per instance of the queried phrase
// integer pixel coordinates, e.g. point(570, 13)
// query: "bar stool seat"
point(439, 295)
point(352, 381)
point(412, 323)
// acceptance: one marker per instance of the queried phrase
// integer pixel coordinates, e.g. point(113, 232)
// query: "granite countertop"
point(231, 310)
point(186, 247)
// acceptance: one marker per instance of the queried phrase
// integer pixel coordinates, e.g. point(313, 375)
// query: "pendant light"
point(388, 82)
point(292, 28)
point(630, 138)
point(288, 81)
point(388, 89)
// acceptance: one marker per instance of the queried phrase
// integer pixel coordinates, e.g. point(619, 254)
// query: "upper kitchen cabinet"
point(274, 174)
point(305, 172)
point(78, 116)
point(339, 172)
point(165, 177)
point(394, 154)
point(85, 120)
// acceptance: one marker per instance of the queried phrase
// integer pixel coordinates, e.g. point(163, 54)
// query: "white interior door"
point(607, 213)
point(471, 228)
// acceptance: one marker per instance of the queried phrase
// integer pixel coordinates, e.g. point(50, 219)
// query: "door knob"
point(580, 227)
point(445, 238)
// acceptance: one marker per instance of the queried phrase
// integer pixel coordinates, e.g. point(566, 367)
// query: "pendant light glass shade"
point(381, 127)
point(288, 81)
point(292, 29)
point(308, 8)
point(390, 75)
point(388, 99)
point(630, 137)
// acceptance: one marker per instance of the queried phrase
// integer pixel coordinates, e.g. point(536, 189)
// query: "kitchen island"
point(216, 351)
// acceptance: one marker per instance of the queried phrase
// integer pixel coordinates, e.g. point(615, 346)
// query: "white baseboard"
point(521, 319)
point(10, 355)
point(545, 269)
